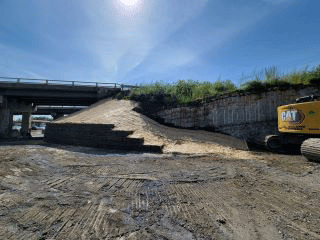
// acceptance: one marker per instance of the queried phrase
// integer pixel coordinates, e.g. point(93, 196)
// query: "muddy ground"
point(59, 192)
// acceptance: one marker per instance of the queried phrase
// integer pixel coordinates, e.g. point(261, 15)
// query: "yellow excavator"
point(299, 126)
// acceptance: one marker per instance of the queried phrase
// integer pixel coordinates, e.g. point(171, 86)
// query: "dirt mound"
point(121, 113)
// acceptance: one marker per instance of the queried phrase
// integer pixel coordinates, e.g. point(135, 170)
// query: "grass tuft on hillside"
point(187, 91)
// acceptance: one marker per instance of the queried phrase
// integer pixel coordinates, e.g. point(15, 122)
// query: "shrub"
point(184, 88)
point(254, 86)
point(219, 87)
point(276, 82)
point(203, 90)
point(229, 86)
point(154, 101)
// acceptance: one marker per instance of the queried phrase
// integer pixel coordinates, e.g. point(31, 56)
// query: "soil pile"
point(121, 113)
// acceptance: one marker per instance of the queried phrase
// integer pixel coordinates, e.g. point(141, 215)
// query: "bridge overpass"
point(25, 95)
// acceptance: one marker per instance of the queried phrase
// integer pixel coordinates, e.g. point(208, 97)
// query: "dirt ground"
point(63, 192)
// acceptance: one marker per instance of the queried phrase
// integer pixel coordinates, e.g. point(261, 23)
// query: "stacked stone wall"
point(95, 135)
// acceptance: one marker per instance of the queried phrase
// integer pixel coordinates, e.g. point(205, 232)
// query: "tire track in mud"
point(267, 204)
point(173, 198)
point(235, 211)
point(194, 208)
point(96, 217)
point(213, 209)
point(288, 211)
point(22, 236)
point(106, 217)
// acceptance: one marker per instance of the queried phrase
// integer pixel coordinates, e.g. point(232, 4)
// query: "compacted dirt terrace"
point(197, 189)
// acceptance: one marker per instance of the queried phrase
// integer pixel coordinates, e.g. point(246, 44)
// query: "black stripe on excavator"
point(307, 98)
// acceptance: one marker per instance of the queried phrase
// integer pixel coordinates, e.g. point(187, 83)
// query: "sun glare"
point(129, 2)
point(128, 8)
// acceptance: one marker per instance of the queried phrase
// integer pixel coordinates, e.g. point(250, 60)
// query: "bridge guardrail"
point(64, 82)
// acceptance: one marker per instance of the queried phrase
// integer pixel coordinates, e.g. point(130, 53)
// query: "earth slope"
point(121, 113)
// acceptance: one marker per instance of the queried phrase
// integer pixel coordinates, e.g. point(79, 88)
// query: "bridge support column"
point(10, 125)
point(26, 124)
point(8, 107)
point(5, 115)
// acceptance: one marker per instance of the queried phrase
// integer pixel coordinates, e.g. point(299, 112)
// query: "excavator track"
point(310, 149)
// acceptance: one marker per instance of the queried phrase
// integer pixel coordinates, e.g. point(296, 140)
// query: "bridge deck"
point(57, 92)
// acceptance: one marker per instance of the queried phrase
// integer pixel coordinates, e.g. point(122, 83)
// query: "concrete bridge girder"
point(56, 94)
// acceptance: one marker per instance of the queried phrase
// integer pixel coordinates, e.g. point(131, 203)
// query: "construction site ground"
point(196, 189)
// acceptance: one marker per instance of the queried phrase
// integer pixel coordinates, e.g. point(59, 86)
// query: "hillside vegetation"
point(187, 91)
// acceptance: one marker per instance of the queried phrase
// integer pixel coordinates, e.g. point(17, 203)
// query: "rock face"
point(246, 116)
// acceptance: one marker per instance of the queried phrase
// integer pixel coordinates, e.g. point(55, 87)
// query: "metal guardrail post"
point(47, 82)
point(18, 80)
point(72, 83)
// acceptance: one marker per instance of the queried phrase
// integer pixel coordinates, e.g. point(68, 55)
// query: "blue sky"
point(146, 41)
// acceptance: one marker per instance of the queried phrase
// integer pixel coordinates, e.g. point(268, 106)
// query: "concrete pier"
point(4, 122)
point(10, 107)
point(26, 124)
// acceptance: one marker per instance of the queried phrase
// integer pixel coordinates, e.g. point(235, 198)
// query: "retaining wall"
point(245, 116)
point(95, 135)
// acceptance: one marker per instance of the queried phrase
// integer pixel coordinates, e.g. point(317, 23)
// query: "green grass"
point(272, 79)
point(187, 91)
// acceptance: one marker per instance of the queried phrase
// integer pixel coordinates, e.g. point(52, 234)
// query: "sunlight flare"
point(129, 2)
